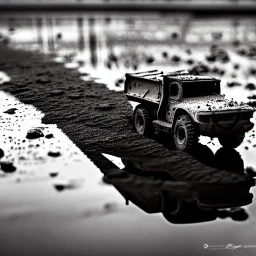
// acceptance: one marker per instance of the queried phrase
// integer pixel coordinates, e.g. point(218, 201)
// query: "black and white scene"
point(127, 127)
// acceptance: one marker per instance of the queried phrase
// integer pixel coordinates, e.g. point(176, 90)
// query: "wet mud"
point(95, 118)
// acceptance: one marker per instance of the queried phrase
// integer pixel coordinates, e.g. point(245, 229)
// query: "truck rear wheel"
point(142, 121)
point(231, 141)
point(184, 135)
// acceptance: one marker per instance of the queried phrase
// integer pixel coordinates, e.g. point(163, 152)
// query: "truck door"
point(171, 91)
point(175, 95)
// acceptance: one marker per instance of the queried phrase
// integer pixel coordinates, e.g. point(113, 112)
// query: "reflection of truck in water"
point(182, 195)
point(185, 106)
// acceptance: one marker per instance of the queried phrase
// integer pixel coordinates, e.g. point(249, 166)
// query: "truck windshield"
point(198, 89)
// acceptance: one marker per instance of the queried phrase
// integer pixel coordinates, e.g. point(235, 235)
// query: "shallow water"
point(60, 204)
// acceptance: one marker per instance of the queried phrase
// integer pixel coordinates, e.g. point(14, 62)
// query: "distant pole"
point(80, 24)
point(92, 42)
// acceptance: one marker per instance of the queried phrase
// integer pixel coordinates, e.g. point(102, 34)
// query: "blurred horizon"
point(190, 5)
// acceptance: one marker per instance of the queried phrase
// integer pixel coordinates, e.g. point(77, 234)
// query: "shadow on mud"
point(183, 195)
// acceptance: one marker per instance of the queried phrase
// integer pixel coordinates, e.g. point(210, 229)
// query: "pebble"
point(54, 153)
point(53, 174)
point(7, 167)
point(233, 84)
point(1, 153)
point(34, 133)
point(10, 111)
point(250, 86)
point(49, 136)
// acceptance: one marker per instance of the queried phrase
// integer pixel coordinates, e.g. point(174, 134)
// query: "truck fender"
point(179, 112)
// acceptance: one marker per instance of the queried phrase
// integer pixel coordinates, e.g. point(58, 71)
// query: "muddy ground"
point(95, 118)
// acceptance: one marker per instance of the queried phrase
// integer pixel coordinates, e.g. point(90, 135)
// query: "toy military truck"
point(185, 106)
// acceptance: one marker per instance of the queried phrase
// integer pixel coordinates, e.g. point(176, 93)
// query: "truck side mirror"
point(175, 91)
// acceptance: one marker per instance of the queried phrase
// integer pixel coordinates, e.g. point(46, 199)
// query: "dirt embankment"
point(96, 119)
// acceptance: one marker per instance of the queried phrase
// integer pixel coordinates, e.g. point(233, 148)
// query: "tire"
point(142, 121)
point(231, 141)
point(184, 135)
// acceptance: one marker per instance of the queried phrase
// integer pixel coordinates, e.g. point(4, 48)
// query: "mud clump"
point(7, 167)
point(11, 111)
point(233, 84)
point(150, 59)
point(218, 54)
point(34, 134)
point(53, 174)
point(49, 136)
point(175, 58)
point(199, 69)
point(1, 153)
point(250, 86)
point(54, 153)
point(252, 97)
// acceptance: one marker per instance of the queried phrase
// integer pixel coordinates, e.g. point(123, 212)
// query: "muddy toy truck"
point(184, 107)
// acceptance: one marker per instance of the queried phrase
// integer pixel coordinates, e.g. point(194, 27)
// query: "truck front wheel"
point(142, 121)
point(184, 135)
point(231, 141)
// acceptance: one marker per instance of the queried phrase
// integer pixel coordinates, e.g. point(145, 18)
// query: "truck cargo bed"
point(144, 86)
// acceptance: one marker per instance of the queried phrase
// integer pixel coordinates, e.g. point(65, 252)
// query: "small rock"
point(10, 111)
point(236, 66)
point(175, 58)
point(233, 84)
point(59, 187)
point(53, 174)
point(34, 133)
point(250, 86)
point(49, 136)
point(7, 167)
point(54, 153)
point(165, 54)
point(190, 62)
point(1, 153)
point(174, 35)
point(150, 59)
point(59, 36)
point(252, 97)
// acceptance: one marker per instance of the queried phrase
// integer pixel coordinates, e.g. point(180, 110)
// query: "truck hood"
point(211, 104)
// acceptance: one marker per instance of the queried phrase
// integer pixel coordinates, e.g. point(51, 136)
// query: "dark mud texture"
point(79, 109)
